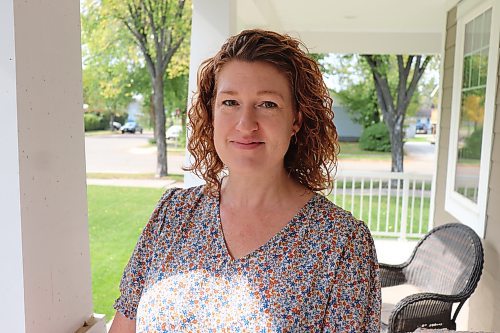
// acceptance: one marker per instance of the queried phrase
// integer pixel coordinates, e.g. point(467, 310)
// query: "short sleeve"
point(355, 300)
point(135, 271)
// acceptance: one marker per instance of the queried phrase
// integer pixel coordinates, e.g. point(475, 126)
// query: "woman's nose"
point(247, 121)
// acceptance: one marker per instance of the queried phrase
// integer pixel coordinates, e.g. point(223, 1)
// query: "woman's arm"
point(354, 304)
point(135, 273)
point(122, 324)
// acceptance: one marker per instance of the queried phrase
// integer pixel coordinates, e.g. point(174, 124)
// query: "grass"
point(351, 150)
point(375, 185)
point(172, 146)
point(117, 216)
point(386, 220)
point(101, 132)
point(418, 139)
point(105, 175)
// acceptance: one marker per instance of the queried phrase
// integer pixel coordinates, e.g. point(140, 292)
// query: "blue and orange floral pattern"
point(318, 274)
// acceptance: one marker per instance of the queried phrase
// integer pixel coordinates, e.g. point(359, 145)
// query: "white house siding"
point(440, 215)
point(347, 129)
point(484, 305)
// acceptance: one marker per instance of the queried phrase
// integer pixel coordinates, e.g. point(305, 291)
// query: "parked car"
point(116, 125)
point(173, 132)
point(131, 127)
point(421, 128)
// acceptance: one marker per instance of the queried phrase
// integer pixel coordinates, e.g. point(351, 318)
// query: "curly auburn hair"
point(311, 158)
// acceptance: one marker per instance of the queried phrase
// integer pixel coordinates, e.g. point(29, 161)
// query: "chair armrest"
point(391, 275)
point(426, 310)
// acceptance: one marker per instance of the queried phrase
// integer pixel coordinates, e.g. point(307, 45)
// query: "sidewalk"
point(151, 183)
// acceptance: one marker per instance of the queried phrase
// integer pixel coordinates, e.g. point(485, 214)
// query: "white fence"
point(393, 205)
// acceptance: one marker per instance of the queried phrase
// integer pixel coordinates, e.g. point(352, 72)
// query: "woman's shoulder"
point(334, 220)
point(175, 207)
point(338, 231)
point(179, 201)
point(182, 197)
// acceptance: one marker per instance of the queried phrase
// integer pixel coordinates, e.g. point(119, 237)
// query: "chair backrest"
point(448, 260)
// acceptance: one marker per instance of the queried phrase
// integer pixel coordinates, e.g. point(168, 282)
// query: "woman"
point(257, 249)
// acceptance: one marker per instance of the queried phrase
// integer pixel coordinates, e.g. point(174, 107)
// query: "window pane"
point(467, 69)
point(474, 79)
point(470, 131)
point(476, 32)
point(483, 70)
point(468, 38)
point(486, 29)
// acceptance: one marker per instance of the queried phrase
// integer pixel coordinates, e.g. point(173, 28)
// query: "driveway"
point(131, 153)
point(420, 158)
point(126, 153)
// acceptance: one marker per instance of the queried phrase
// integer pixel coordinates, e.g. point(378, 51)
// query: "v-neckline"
point(270, 241)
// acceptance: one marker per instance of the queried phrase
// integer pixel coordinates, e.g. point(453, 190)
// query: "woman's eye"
point(229, 102)
point(268, 104)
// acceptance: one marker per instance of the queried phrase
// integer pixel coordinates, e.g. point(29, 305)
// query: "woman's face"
point(254, 116)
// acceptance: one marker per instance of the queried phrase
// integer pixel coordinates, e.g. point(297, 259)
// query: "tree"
point(394, 101)
point(159, 29)
point(361, 102)
point(106, 64)
point(382, 87)
point(352, 86)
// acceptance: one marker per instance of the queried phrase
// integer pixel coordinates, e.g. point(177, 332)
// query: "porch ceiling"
point(351, 26)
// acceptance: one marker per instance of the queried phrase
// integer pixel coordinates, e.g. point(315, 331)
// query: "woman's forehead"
point(261, 76)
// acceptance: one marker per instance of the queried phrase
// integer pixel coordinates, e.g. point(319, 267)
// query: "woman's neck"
point(260, 190)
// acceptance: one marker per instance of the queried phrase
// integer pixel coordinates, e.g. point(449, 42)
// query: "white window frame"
point(463, 209)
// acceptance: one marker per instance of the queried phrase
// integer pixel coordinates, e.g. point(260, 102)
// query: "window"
point(473, 109)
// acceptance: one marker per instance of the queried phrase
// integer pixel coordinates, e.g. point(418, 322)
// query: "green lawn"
point(109, 175)
point(378, 221)
point(116, 217)
point(102, 132)
point(351, 150)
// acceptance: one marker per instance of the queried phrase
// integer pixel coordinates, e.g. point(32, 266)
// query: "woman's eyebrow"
point(271, 92)
point(259, 93)
point(227, 92)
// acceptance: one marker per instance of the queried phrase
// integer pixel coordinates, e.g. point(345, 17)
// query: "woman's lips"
point(247, 145)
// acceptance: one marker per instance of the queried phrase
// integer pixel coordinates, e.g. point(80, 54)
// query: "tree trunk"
point(111, 121)
point(152, 120)
point(397, 136)
point(159, 111)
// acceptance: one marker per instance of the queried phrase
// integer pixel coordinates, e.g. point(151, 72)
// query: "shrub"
point(93, 122)
point(375, 138)
point(472, 145)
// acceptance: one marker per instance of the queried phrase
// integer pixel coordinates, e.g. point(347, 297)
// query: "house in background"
point(43, 195)
point(347, 129)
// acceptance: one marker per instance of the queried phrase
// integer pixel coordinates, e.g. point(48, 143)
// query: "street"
point(126, 153)
point(420, 158)
point(131, 153)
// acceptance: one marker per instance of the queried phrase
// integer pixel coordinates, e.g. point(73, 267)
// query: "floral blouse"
point(318, 274)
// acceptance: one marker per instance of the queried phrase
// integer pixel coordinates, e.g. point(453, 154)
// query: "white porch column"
point(45, 282)
point(212, 24)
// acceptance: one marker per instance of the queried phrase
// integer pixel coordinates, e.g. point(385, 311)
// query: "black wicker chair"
point(445, 267)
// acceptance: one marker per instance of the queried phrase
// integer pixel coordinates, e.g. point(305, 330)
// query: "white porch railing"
point(393, 205)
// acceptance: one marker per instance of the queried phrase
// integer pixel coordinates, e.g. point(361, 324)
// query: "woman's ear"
point(297, 123)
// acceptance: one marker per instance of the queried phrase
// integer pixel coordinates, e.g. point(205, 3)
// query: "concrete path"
point(152, 183)
point(126, 153)
point(420, 158)
point(131, 153)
